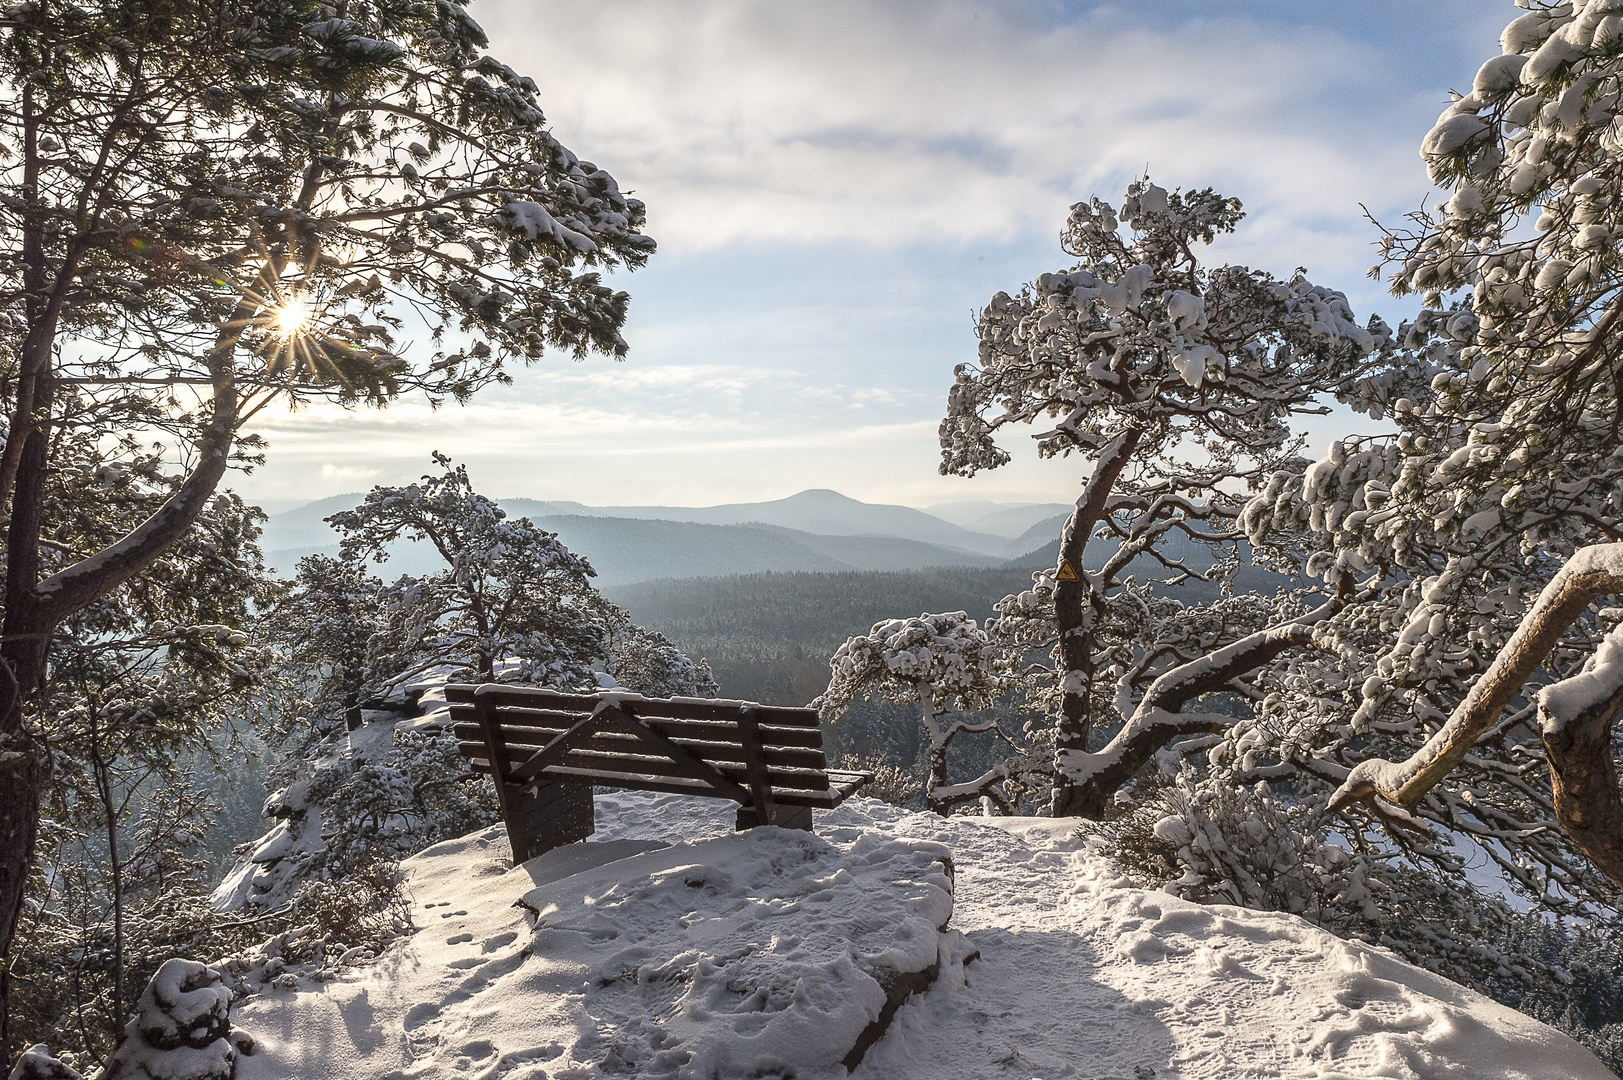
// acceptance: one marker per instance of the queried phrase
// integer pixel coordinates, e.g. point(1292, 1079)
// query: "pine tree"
point(221, 207)
point(371, 773)
point(942, 663)
point(510, 592)
point(1494, 512)
point(1178, 382)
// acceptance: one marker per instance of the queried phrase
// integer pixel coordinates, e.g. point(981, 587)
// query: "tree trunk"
point(22, 780)
point(104, 788)
point(938, 750)
point(24, 635)
point(1078, 605)
point(1583, 781)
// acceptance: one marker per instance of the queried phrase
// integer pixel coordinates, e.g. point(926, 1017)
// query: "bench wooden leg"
point(556, 814)
point(788, 817)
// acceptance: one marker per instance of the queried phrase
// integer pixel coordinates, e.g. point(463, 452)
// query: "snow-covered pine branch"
point(942, 663)
point(1507, 463)
point(1575, 715)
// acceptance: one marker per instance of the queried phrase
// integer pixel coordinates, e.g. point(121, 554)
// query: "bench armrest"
point(845, 782)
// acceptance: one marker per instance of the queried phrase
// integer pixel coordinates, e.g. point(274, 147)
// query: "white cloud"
point(753, 121)
point(342, 475)
point(822, 177)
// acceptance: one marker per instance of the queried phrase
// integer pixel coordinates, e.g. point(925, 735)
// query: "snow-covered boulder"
point(770, 952)
point(760, 953)
point(36, 1063)
point(388, 788)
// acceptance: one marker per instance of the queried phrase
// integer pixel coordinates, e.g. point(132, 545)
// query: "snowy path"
point(1081, 977)
point(1077, 977)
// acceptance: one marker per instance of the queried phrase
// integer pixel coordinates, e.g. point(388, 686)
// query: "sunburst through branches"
point(293, 317)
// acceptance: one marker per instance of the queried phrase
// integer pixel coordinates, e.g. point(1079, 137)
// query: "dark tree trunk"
point(26, 633)
point(938, 778)
point(1583, 781)
point(1078, 605)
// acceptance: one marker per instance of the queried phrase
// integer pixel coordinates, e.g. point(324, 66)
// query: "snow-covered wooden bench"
point(548, 749)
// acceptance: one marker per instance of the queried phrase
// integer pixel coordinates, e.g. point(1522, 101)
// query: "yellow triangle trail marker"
point(1066, 573)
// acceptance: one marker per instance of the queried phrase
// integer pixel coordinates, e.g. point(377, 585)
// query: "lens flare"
point(293, 317)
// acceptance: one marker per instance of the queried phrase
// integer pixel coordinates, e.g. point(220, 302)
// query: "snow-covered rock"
point(358, 790)
point(762, 953)
point(36, 1063)
point(668, 946)
point(181, 1029)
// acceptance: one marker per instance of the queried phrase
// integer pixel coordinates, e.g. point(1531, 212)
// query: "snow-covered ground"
point(669, 946)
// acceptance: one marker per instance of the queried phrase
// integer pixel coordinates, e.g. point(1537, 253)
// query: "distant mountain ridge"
point(817, 510)
point(817, 530)
point(628, 550)
point(847, 536)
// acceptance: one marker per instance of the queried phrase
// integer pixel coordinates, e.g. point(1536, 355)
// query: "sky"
point(837, 188)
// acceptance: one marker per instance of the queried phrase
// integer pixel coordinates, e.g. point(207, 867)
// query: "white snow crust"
point(668, 946)
point(1562, 702)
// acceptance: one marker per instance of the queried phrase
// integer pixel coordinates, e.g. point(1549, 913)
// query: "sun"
point(293, 316)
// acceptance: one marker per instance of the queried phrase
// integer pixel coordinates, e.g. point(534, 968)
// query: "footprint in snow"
point(418, 1015)
point(500, 941)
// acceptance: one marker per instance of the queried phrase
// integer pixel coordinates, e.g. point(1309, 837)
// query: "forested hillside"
point(768, 637)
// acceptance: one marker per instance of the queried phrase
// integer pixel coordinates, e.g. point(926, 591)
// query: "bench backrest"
point(754, 754)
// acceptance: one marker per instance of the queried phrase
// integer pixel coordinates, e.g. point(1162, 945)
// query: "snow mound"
point(181, 1028)
point(754, 954)
point(751, 954)
point(668, 946)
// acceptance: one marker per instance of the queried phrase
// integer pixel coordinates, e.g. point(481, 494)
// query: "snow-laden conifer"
point(940, 663)
point(1178, 382)
point(1503, 476)
point(371, 770)
point(509, 591)
point(209, 209)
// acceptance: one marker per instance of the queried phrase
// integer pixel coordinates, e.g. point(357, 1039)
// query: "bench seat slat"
point(621, 761)
point(710, 750)
point(825, 799)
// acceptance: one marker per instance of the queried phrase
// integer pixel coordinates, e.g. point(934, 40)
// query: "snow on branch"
point(1570, 711)
point(940, 661)
point(1159, 718)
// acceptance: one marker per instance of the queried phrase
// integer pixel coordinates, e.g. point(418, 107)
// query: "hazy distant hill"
point(818, 511)
point(768, 637)
point(624, 550)
point(628, 549)
point(1041, 536)
point(812, 531)
point(303, 527)
point(999, 519)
